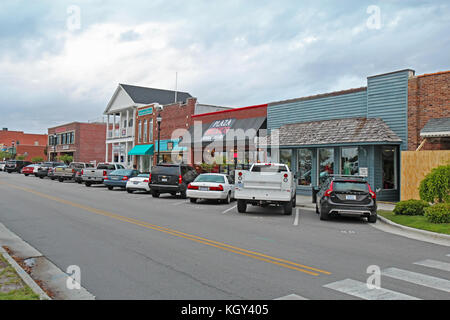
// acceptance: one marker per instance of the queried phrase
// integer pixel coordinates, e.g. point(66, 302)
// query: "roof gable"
point(144, 95)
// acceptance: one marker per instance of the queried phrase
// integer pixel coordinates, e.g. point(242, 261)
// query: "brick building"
point(23, 144)
point(176, 117)
point(429, 100)
point(227, 136)
point(84, 141)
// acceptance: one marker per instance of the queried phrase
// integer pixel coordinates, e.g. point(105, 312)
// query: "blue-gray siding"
point(387, 98)
point(349, 105)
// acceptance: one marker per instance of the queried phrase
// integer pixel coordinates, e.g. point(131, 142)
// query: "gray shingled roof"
point(439, 127)
point(146, 95)
point(351, 130)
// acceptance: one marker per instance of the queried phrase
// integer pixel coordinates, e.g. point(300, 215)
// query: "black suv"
point(45, 167)
point(171, 178)
point(346, 196)
point(16, 165)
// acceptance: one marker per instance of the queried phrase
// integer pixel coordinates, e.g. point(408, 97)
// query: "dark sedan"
point(119, 178)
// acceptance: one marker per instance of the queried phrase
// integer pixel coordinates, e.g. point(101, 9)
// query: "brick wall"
point(29, 139)
point(32, 151)
point(428, 97)
point(89, 144)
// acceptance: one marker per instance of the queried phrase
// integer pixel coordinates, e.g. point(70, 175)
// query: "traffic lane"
point(339, 252)
point(122, 261)
point(349, 235)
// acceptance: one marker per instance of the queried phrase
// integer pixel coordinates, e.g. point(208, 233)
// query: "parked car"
point(215, 186)
point(265, 184)
point(139, 183)
point(29, 169)
point(16, 165)
point(97, 175)
point(346, 196)
point(52, 171)
point(171, 178)
point(45, 169)
point(119, 178)
point(72, 172)
point(2, 165)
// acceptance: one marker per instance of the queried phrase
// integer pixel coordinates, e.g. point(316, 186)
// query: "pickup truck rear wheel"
point(88, 184)
point(110, 188)
point(241, 206)
point(193, 200)
point(155, 194)
point(61, 180)
point(287, 208)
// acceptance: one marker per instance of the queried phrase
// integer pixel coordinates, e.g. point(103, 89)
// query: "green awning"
point(141, 150)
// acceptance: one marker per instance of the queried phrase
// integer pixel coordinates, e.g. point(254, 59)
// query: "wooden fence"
point(415, 166)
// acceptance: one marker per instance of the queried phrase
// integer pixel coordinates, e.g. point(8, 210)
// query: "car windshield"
point(121, 172)
point(210, 178)
point(269, 168)
point(350, 186)
point(173, 170)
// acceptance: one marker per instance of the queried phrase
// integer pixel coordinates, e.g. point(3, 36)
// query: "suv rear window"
point(269, 168)
point(350, 186)
point(172, 170)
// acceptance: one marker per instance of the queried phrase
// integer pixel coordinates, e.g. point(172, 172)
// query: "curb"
point(25, 276)
point(414, 230)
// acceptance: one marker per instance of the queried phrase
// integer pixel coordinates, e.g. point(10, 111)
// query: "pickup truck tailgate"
point(263, 186)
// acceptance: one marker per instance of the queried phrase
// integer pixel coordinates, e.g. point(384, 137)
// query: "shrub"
point(37, 159)
point(438, 213)
point(436, 185)
point(20, 157)
point(410, 207)
point(66, 158)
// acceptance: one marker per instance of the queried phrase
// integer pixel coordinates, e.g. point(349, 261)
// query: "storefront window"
point(140, 132)
point(326, 163)
point(304, 167)
point(349, 161)
point(150, 131)
point(286, 157)
point(388, 162)
point(145, 130)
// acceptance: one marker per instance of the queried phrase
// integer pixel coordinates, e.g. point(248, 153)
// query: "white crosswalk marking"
point(291, 297)
point(434, 264)
point(360, 290)
point(417, 278)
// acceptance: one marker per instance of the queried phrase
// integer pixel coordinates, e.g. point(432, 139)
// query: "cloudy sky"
point(56, 68)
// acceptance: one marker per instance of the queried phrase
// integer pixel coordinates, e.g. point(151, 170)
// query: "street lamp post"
point(158, 120)
point(55, 136)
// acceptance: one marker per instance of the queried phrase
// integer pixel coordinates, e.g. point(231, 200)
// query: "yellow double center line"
point(252, 254)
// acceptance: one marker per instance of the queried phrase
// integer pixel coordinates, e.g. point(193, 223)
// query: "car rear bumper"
point(163, 188)
point(356, 210)
point(206, 194)
point(139, 186)
point(110, 183)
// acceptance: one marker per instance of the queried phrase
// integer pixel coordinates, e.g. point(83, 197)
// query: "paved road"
point(133, 246)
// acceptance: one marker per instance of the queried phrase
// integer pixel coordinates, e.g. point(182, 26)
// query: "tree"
point(37, 159)
point(436, 185)
point(66, 158)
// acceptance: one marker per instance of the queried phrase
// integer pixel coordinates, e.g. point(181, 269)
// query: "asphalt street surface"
point(134, 246)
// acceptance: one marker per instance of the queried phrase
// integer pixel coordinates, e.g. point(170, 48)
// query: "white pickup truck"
point(96, 176)
point(265, 184)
